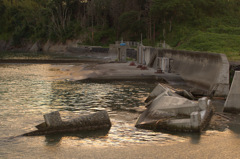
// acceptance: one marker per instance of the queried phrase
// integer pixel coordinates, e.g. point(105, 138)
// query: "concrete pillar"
point(53, 119)
point(163, 64)
point(203, 103)
point(232, 103)
point(195, 119)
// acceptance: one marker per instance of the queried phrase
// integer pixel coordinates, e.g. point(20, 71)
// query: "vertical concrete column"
point(195, 119)
point(232, 103)
point(165, 64)
point(203, 103)
point(123, 53)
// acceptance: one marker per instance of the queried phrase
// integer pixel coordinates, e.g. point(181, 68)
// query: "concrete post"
point(195, 119)
point(53, 119)
point(165, 64)
point(203, 103)
point(232, 103)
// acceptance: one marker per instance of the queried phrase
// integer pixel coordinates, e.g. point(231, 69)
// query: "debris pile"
point(170, 111)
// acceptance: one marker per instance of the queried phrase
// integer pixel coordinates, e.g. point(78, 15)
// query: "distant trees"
point(59, 20)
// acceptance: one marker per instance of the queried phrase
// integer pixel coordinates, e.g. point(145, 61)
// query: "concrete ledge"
point(207, 71)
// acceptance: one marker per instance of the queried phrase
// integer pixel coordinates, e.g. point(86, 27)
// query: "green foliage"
point(200, 25)
point(213, 42)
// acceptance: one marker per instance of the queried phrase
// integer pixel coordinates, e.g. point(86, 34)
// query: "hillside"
point(200, 25)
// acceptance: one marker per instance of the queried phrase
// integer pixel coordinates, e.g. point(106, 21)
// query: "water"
point(27, 91)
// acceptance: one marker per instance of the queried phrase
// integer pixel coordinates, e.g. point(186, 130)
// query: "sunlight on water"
point(29, 91)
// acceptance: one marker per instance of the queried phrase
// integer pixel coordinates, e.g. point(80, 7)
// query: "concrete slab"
point(180, 123)
point(171, 104)
point(232, 103)
point(160, 90)
point(170, 111)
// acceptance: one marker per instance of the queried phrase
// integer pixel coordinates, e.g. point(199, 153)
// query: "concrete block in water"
point(96, 121)
point(232, 103)
point(180, 123)
point(160, 90)
point(172, 104)
point(53, 119)
point(195, 120)
point(170, 111)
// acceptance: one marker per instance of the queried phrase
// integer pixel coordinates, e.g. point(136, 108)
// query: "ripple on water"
point(27, 92)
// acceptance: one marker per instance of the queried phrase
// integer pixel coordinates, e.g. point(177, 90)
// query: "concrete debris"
point(232, 103)
point(160, 90)
point(170, 111)
point(186, 94)
point(53, 124)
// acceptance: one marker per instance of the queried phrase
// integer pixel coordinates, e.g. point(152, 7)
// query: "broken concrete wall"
point(146, 55)
point(167, 110)
point(207, 71)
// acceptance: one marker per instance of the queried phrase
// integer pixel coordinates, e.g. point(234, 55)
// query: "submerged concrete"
point(53, 124)
point(170, 111)
point(232, 103)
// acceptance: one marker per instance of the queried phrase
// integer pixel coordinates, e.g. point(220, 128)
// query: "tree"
point(61, 11)
point(168, 11)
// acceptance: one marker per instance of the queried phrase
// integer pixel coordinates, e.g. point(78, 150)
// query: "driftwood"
point(54, 125)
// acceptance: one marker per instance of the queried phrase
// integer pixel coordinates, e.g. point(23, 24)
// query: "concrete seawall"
point(208, 71)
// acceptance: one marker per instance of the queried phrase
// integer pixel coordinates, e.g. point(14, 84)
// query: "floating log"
point(54, 125)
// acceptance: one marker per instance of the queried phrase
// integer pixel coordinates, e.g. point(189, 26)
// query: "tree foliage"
point(58, 20)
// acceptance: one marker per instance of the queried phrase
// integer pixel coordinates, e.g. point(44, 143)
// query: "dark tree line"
point(104, 21)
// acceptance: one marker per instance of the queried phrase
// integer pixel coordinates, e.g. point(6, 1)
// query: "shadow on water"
point(234, 126)
point(54, 139)
point(195, 137)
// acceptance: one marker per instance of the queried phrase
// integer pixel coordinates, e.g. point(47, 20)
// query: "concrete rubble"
point(232, 103)
point(170, 111)
point(54, 125)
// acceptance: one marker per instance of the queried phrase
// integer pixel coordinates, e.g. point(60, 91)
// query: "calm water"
point(29, 91)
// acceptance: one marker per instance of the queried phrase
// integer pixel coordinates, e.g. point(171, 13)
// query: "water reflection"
point(28, 91)
point(194, 137)
point(55, 139)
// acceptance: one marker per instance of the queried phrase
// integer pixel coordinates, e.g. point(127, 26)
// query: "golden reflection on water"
point(29, 91)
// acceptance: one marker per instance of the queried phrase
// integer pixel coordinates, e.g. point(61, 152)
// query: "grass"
point(225, 42)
